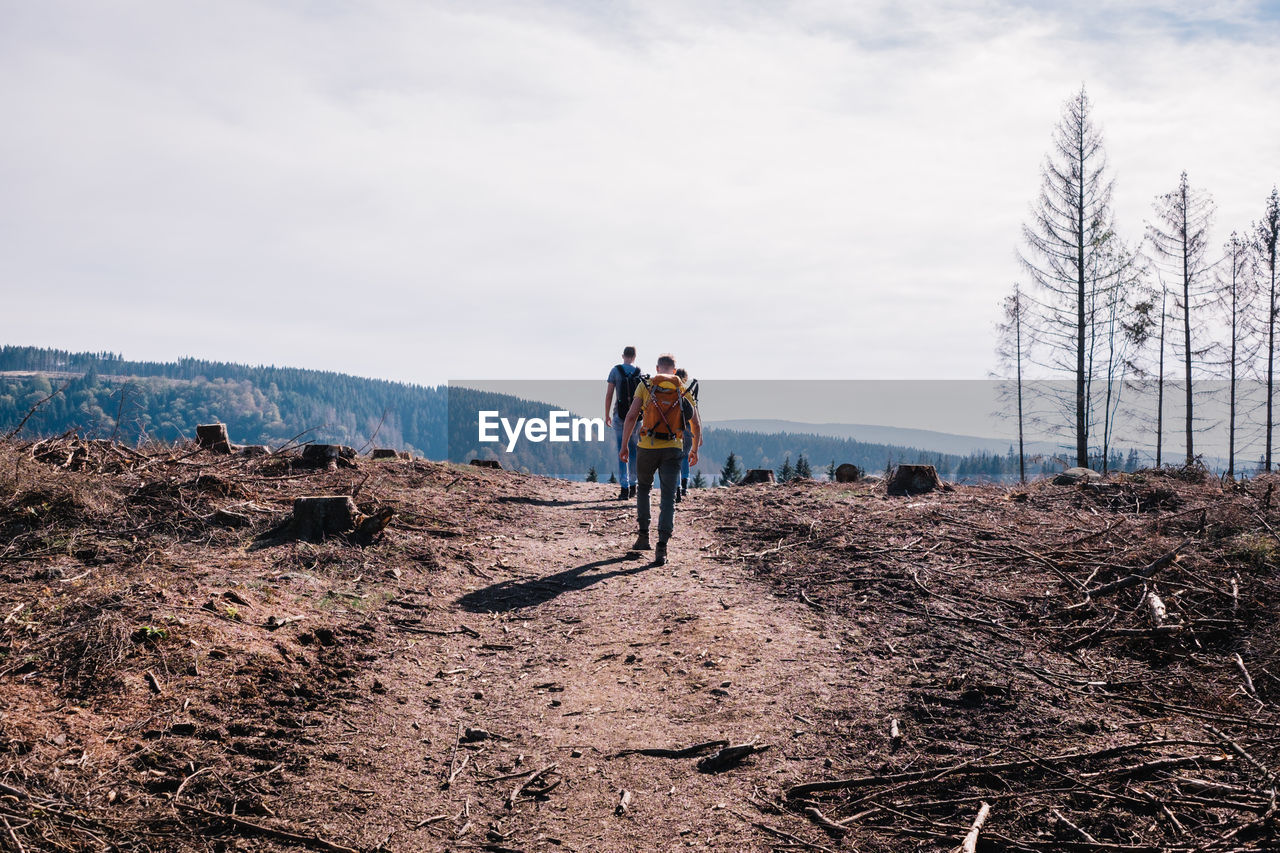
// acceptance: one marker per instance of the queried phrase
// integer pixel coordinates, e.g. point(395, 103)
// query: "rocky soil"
point(817, 667)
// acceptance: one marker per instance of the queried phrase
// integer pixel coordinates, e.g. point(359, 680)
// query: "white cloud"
point(427, 190)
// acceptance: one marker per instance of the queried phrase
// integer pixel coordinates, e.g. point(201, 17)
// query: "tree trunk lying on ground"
point(758, 475)
point(1076, 476)
point(384, 453)
point(213, 437)
point(915, 480)
point(487, 463)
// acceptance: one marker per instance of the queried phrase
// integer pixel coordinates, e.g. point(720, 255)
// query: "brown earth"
point(468, 679)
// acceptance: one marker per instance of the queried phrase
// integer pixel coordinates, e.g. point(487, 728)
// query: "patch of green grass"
point(367, 602)
point(1258, 549)
point(150, 634)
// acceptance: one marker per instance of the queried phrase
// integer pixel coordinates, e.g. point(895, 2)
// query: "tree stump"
point(213, 437)
point(255, 450)
point(914, 480)
point(758, 475)
point(384, 453)
point(848, 473)
point(487, 463)
point(323, 515)
point(328, 456)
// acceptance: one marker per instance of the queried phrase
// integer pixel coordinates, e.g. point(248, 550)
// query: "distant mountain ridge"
point(920, 439)
point(106, 395)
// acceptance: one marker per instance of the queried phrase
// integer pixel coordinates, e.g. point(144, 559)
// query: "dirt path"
point(175, 682)
point(575, 651)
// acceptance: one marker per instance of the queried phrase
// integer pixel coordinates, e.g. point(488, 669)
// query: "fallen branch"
point(13, 836)
point(56, 391)
point(527, 781)
point(968, 769)
point(1079, 831)
point(1158, 764)
point(313, 841)
point(1140, 576)
point(825, 822)
point(153, 683)
point(785, 836)
point(1248, 679)
point(1156, 611)
point(970, 843)
point(456, 772)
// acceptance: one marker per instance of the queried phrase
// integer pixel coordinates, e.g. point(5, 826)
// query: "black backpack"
point(685, 406)
point(627, 387)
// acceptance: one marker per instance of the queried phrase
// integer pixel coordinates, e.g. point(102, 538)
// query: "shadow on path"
point(520, 499)
point(512, 595)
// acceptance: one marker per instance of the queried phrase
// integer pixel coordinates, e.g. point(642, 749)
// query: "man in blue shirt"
point(623, 380)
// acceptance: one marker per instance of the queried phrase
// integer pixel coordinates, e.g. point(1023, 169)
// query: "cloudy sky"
point(425, 190)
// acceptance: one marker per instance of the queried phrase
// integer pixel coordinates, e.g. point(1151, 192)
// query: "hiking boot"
point(624, 494)
point(631, 493)
point(660, 553)
point(677, 496)
point(642, 542)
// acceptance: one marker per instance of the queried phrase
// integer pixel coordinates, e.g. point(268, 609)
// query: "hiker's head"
point(683, 374)
point(628, 354)
point(666, 363)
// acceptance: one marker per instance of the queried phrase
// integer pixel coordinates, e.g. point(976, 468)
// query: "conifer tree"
point(592, 477)
point(731, 473)
point(786, 472)
point(698, 481)
point(803, 469)
point(1071, 228)
point(1180, 238)
point(1238, 291)
point(1011, 350)
point(1265, 237)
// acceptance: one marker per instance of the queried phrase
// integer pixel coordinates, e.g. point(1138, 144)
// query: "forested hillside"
point(103, 395)
point(106, 395)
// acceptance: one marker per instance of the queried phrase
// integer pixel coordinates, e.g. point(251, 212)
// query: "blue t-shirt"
point(616, 375)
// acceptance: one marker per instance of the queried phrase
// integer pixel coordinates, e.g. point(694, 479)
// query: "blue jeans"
point(626, 470)
point(666, 463)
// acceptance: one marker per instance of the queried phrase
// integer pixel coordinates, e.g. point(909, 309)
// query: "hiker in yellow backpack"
point(658, 408)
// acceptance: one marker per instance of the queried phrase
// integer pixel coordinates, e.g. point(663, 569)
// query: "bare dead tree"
point(1069, 224)
point(1010, 352)
point(1238, 289)
point(13, 433)
point(1120, 321)
point(1164, 320)
point(1179, 240)
point(1265, 233)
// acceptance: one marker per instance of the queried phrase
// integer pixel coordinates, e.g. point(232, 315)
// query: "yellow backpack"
point(662, 417)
